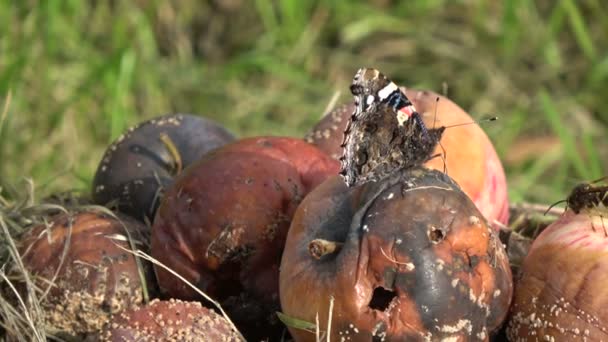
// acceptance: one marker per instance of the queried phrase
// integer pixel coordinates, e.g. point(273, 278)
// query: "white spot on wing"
point(370, 99)
point(386, 91)
point(401, 117)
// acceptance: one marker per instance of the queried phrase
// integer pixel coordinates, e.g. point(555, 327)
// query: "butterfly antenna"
point(494, 118)
point(435, 116)
point(599, 180)
point(554, 204)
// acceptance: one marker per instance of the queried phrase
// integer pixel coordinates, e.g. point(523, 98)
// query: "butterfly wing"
point(419, 142)
point(366, 147)
point(366, 86)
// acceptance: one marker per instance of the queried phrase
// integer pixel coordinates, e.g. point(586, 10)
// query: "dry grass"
point(143, 255)
point(21, 302)
point(21, 315)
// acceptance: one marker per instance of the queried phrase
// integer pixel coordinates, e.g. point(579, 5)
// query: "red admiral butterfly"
point(385, 132)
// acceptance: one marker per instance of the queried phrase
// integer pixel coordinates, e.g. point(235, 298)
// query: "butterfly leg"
point(603, 225)
point(444, 158)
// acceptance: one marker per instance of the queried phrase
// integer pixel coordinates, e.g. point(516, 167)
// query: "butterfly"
point(385, 132)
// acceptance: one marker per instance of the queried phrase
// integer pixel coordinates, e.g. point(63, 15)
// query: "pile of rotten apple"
point(265, 225)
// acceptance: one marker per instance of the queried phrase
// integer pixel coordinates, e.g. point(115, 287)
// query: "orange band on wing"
point(408, 110)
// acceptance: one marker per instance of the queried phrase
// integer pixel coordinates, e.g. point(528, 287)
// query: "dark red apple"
point(222, 224)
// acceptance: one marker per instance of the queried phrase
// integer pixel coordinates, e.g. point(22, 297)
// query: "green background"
point(80, 72)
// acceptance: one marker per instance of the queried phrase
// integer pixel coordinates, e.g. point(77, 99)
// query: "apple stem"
point(320, 247)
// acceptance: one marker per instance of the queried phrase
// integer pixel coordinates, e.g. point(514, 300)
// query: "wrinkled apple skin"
point(562, 293)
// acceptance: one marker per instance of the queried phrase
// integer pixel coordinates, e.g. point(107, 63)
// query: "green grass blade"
point(510, 28)
point(296, 323)
point(599, 72)
point(541, 166)
point(580, 29)
point(268, 16)
point(558, 124)
point(119, 117)
point(360, 29)
point(594, 161)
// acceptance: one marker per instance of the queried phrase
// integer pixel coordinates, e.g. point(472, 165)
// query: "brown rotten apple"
point(171, 320)
point(406, 258)
point(471, 159)
point(562, 294)
point(80, 259)
point(222, 225)
point(143, 161)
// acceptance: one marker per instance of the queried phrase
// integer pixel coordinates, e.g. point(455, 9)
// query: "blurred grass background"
point(78, 73)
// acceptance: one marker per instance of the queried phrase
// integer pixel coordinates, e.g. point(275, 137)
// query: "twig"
point(331, 104)
point(317, 329)
point(329, 318)
point(536, 208)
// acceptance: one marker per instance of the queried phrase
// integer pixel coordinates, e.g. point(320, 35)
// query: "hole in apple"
point(381, 298)
point(436, 234)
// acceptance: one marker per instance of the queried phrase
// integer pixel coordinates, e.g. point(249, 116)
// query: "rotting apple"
point(408, 257)
point(561, 294)
point(222, 224)
point(81, 265)
point(142, 162)
point(328, 133)
point(171, 320)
